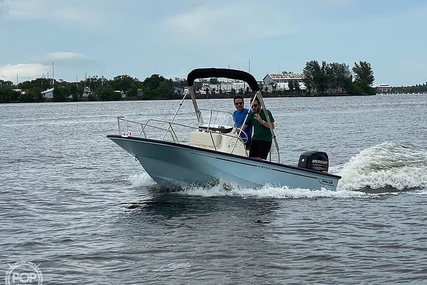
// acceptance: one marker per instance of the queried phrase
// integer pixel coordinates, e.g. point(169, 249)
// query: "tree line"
point(336, 78)
point(154, 87)
point(416, 89)
point(319, 78)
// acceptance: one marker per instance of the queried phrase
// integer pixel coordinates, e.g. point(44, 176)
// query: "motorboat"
point(178, 153)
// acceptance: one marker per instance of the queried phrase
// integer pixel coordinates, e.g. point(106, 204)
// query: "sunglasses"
point(254, 105)
point(238, 103)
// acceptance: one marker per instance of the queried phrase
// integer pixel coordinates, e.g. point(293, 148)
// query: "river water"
point(84, 211)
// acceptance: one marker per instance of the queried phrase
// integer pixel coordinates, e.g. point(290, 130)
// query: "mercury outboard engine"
point(314, 160)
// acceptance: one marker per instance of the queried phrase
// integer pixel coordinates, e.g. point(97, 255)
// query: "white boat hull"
point(172, 164)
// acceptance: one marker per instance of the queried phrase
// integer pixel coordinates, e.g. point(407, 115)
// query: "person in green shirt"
point(262, 137)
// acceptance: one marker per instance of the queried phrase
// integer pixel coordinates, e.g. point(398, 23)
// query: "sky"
point(74, 39)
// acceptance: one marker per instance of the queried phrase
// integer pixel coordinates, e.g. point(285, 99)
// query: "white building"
point(280, 81)
point(224, 87)
point(383, 88)
point(86, 92)
point(48, 94)
point(20, 91)
point(121, 93)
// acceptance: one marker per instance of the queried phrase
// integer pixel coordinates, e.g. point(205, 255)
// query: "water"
point(85, 211)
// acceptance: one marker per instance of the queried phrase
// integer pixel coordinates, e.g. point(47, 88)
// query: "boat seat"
point(205, 139)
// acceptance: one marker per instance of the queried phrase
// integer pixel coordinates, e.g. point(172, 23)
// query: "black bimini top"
point(222, 72)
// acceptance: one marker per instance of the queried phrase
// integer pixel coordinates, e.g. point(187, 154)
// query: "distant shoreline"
point(272, 95)
point(224, 96)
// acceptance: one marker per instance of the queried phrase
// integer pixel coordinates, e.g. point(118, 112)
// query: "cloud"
point(4, 8)
point(80, 16)
point(75, 12)
point(42, 65)
point(28, 10)
point(207, 24)
point(23, 71)
point(61, 56)
point(67, 59)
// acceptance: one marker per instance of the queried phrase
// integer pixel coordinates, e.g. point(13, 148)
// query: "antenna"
point(53, 73)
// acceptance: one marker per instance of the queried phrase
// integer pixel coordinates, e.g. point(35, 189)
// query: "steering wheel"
point(243, 136)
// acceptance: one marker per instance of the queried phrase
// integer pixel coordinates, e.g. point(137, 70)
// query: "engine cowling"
point(314, 160)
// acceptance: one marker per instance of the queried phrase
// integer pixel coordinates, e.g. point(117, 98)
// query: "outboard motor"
point(314, 160)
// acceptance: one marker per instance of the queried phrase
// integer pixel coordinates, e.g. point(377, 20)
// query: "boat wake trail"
point(387, 167)
point(266, 192)
point(226, 189)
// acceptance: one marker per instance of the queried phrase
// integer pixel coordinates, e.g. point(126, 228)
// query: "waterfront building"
point(383, 88)
point(281, 81)
point(48, 94)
